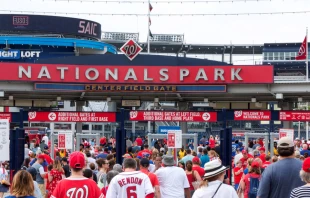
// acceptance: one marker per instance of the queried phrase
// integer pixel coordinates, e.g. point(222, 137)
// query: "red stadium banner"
point(6, 116)
point(182, 116)
point(185, 75)
point(71, 117)
point(252, 115)
point(294, 115)
point(61, 141)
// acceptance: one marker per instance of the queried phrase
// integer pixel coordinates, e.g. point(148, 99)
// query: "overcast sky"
point(197, 29)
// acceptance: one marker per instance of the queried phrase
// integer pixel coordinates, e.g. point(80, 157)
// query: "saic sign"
point(17, 54)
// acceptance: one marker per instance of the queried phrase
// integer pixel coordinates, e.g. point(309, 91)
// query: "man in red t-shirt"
point(267, 162)
point(238, 172)
point(77, 185)
point(245, 158)
point(145, 152)
point(139, 141)
point(144, 165)
point(262, 155)
point(196, 166)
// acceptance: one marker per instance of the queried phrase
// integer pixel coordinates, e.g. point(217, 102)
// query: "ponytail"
point(189, 165)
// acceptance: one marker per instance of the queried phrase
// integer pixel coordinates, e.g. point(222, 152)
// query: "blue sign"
point(17, 54)
point(9, 54)
point(165, 129)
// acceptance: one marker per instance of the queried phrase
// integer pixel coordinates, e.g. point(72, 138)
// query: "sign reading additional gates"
point(71, 116)
point(4, 140)
point(174, 139)
point(286, 133)
point(65, 140)
point(6, 116)
point(182, 116)
point(294, 115)
point(252, 115)
point(131, 49)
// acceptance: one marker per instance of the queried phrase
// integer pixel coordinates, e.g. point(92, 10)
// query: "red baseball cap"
point(255, 164)
point(306, 165)
point(77, 160)
point(244, 152)
point(196, 160)
point(261, 149)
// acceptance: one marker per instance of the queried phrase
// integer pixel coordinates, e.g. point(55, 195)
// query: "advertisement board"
point(294, 115)
point(286, 133)
point(4, 140)
point(174, 139)
point(61, 116)
point(165, 129)
point(168, 75)
point(65, 140)
point(252, 115)
point(6, 116)
point(49, 25)
point(182, 116)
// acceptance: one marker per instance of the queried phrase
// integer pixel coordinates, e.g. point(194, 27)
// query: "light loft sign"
point(18, 54)
point(138, 74)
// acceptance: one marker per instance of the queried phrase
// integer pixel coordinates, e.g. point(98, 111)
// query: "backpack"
point(254, 183)
point(102, 180)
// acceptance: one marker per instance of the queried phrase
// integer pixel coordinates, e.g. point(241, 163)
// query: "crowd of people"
point(147, 171)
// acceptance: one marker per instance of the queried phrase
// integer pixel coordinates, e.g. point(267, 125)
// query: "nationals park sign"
point(136, 74)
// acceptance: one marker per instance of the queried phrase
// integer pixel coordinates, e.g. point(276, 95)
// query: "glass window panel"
point(281, 55)
point(265, 56)
point(42, 124)
point(62, 126)
point(270, 55)
point(85, 127)
point(97, 127)
point(276, 56)
point(287, 56)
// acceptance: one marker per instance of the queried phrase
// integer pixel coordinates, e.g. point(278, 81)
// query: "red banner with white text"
point(137, 74)
point(181, 116)
point(6, 116)
point(252, 115)
point(294, 115)
point(71, 116)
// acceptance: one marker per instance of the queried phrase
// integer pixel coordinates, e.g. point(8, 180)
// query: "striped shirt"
point(301, 192)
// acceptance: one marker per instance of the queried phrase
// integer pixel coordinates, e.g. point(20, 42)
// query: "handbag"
point(195, 183)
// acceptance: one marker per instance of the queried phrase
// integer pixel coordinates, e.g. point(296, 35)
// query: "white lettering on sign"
point(131, 74)
point(44, 73)
point(218, 73)
point(164, 74)
point(146, 78)
point(30, 54)
point(107, 74)
point(183, 73)
point(235, 74)
point(92, 70)
point(201, 75)
point(110, 73)
point(62, 72)
point(22, 70)
point(87, 28)
point(6, 54)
